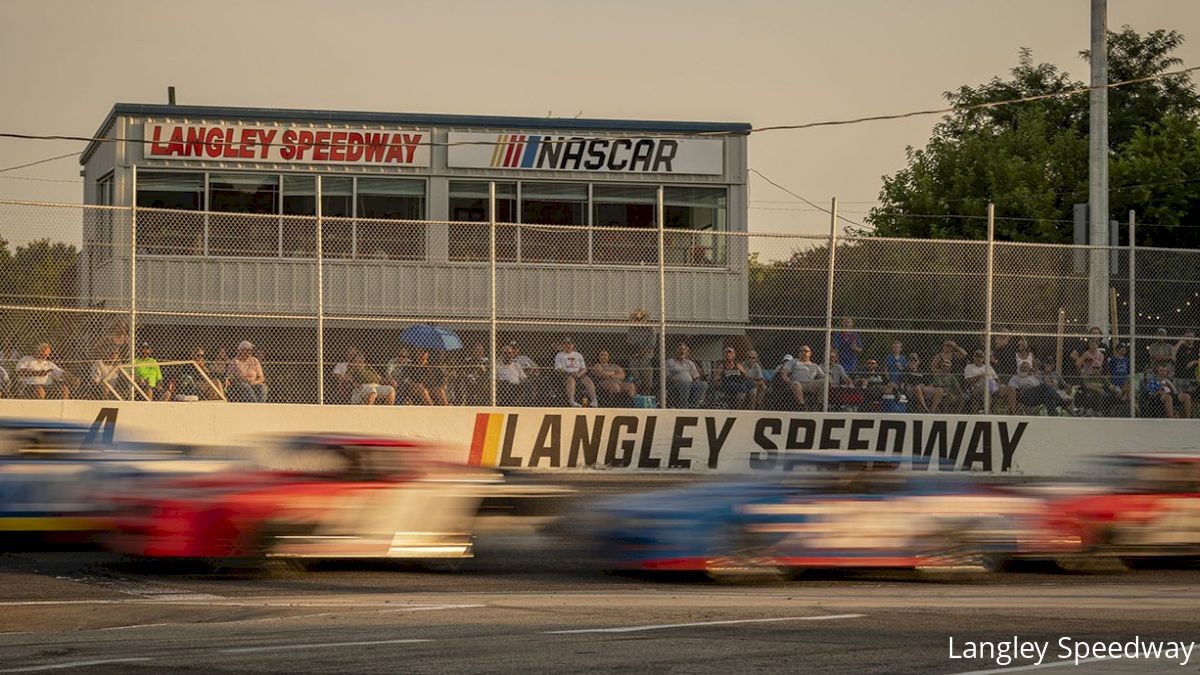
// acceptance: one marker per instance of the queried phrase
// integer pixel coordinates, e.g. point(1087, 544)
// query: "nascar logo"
point(572, 153)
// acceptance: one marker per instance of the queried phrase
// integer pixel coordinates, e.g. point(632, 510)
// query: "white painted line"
point(319, 645)
point(1017, 669)
point(635, 629)
point(74, 664)
point(426, 608)
point(21, 603)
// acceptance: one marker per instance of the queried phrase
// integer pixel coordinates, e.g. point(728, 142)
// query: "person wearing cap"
point(244, 380)
point(570, 364)
point(148, 374)
point(37, 372)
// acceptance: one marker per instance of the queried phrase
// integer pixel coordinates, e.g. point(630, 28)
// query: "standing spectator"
point(148, 374)
point(611, 377)
point(1161, 395)
point(642, 341)
point(244, 378)
point(729, 378)
point(37, 372)
point(803, 377)
point(512, 382)
point(573, 369)
point(1033, 392)
point(848, 344)
point(977, 375)
point(685, 383)
point(754, 372)
point(920, 385)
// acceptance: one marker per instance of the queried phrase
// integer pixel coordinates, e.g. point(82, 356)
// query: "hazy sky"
point(66, 63)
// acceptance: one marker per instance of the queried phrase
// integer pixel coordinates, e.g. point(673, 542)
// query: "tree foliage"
point(1031, 159)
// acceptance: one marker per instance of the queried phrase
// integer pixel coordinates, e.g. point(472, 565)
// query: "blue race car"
point(850, 511)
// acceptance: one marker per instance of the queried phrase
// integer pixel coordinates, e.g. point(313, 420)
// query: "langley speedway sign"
point(643, 441)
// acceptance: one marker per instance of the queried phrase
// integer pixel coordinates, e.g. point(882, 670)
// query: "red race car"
point(1148, 507)
point(319, 497)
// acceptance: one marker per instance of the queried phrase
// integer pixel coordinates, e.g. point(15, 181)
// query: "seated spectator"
point(472, 379)
point(104, 372)
point(197, 384)
point(1117, 370)
point(951, 354)
point(4, 382)
point(754, 372)
point(1162, 397)
point(611, 377)
point(641, 341)
point(803, 378)
point(1090, 365)
point(842, 390)
point(535, 373)
point(874, 382)
point(685, 382)
point(399, 376)
point(729, 378)
point(896, 363)
point(1161, 352)
point(977, 375)
point(573, 370)
point(944, 378)
point(149, 376)
point(919, 385)
point(512, 382)
point(429, 381)
point(39, 377)
point(1033, 392)
point(1024, 355)
point(366, 384)
point(244, 378)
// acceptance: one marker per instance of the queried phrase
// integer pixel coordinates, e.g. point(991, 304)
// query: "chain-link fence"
point(159, 304)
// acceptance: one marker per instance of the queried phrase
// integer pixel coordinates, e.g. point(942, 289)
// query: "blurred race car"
point(1146, 506)
point(852, 511)
point(50, 473)
point(320, 496)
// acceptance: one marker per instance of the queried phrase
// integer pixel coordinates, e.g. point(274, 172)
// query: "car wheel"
point(744, 557)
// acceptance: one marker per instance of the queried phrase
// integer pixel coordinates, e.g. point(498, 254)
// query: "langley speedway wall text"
point(636, 441)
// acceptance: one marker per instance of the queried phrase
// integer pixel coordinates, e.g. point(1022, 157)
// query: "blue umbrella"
point(433, 338)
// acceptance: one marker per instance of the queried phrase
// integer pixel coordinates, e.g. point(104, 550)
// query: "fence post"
point(133, 215)
point(833, 207)
point(987, 320)
point(1132, 313)
point(320, 300)
point(662, 300)
point(492, 285)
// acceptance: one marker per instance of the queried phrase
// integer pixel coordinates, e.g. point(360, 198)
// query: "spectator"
point(848, 344)
point(399, 375)
point(896, 363)
point(512, 382)
point(803, 377)
point(729, 378)
point(754, 372)
point(1117, 368)
point(1090, 365)
point(365, 383)
point(148, 374)
point(244, 378)
point(919, 385)
point(685, 383)
point(4, 382)
point(611, 377)
point(201, 385)
point(944, 378)
point(104, 372)
point(472, 380)
point(1094, 334)
point(36, 373)
point(842, 392)
point(977, 375)
point(573, 369)
point(873, 382)
point(1032, 391)
point(1161, 352)
point(1186, 354)
point(429, 383)
point(1161, 395)
point(220, 364)
point(1004, 350)
point(641, 340)
point(1023, 356)
point(951, 355)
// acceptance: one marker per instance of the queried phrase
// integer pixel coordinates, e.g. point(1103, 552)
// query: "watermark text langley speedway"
point(1004, 652)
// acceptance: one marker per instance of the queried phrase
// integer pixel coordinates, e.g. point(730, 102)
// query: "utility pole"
point(1098, 169)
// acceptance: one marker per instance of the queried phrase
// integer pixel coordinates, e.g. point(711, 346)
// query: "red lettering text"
point(266, 136)
point(321, 147)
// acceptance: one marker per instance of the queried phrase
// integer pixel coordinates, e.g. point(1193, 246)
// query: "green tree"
point(1031, 159)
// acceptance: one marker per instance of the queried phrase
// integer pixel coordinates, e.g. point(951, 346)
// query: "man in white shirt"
point(37, 372)
point(977, 375)
point(685, 383)
point(512, 382)
point(802, 376)
point(574, 370)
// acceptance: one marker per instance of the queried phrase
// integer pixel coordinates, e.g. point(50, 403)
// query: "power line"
point(40, 161)
point(806, 201)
